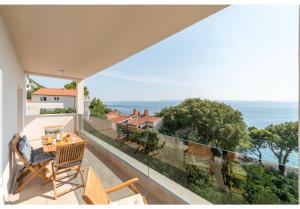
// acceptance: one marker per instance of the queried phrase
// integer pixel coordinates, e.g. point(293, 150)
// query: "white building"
point(53, 95)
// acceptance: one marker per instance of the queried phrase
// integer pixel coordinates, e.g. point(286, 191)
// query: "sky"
point(239, 53)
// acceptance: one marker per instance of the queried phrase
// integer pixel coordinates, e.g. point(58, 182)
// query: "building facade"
point(50, 95)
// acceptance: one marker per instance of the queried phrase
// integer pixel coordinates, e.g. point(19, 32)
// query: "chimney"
point(135, 111)
point(146, 112)
point(138, 113)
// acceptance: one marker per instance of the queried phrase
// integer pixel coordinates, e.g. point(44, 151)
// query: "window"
point(56, 98)
point(44, 99)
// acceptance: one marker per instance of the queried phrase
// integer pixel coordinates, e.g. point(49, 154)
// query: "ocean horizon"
point(255, 113)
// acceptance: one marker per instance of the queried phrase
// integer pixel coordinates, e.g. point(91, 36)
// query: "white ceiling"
point(83, 40)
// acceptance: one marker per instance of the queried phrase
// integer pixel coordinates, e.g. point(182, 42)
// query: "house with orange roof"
point(54, 95)
point(135, 120)
point(117, 117)
point(143, 121)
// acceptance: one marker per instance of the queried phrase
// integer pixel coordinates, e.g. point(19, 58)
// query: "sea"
point(255, 113)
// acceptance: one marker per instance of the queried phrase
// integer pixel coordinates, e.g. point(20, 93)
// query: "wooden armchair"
point(34, 163)
point(95, 194)
point(68, 158)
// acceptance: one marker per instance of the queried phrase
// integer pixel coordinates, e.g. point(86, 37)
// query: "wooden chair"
point(95, 194)
point(36, 169)
point(68, 158)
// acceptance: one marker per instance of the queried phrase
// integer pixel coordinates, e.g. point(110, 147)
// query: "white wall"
point(34, 124)
point(35, 108)
point(12, 80)
point(67, 100)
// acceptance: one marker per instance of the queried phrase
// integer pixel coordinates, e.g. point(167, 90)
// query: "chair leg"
point(42, 168)
point(22, 185)
point(34, 174)
point(80, 172)
point(23, 174)
point(53, 181)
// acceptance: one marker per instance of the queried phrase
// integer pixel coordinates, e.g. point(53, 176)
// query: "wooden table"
point(52, 147)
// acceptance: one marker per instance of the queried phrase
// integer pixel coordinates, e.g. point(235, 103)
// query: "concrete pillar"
point(80, 97)
point(79, 102)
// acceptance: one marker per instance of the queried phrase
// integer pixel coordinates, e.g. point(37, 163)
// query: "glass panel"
point(127, 140)
point(219, 176)
point(223, 177)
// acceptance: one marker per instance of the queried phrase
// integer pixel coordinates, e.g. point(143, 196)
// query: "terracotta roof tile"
point(138, 121)
point(112, 114)
point(55, 92)
point(120, 118)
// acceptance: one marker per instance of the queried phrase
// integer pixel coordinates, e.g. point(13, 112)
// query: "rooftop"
point(134, 119)
point(55, 92)
point(144, 119)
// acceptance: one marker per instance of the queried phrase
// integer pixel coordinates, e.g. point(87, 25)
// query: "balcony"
point(110, 168)
point(170, 170)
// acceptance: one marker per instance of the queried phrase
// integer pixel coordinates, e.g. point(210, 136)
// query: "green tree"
point(34, 88)
point(97, 108)
point(147, 138)
point(283, 142)
point(72, 85)
point(258, 141)
point(207, 122)
point(266, 186)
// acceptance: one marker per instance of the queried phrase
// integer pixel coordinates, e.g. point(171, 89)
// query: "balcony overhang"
point(79, 41)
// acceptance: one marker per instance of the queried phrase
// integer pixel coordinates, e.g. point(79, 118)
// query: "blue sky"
point(240, 53)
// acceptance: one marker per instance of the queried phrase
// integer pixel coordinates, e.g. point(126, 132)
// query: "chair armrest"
point(122, 185)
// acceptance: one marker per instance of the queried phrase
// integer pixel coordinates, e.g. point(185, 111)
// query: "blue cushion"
point(39, 156)
point(24, 137)
point(25, 148)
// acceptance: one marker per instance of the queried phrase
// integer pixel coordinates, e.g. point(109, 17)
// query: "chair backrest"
point(14, 145)
point(94, 193)
point(69, 153)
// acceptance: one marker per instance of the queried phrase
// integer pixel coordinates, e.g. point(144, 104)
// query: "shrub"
point(58, 111)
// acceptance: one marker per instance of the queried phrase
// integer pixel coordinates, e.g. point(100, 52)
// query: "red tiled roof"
point(116, 116)
point(120, 118)
point(112, 114)
point(55, 92)
point(138, 121)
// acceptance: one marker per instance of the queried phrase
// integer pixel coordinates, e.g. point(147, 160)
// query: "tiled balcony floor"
point(37, 193)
